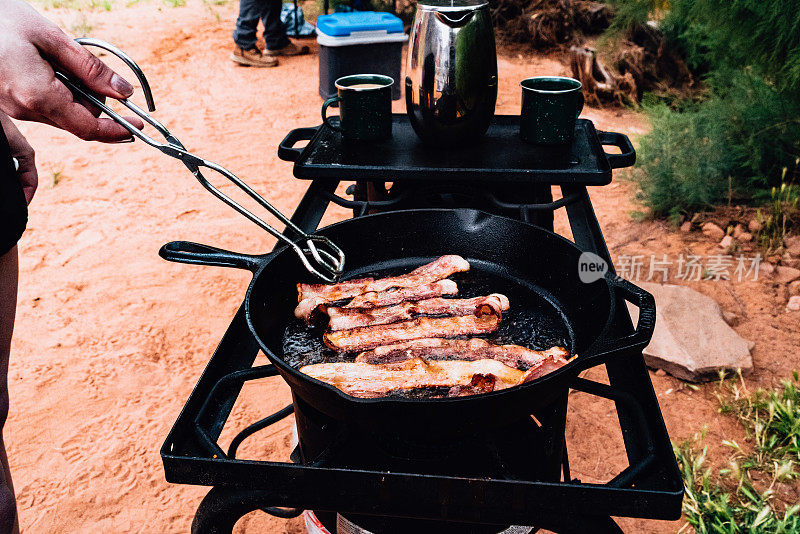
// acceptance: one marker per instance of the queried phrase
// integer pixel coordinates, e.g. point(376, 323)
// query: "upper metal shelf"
point(501, 156)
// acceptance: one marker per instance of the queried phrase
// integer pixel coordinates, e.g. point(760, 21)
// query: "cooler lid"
point(343, 24)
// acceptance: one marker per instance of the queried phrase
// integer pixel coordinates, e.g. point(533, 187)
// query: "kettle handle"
point(461, 20)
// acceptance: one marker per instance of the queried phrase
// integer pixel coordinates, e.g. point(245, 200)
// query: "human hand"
point(30, 46)
point(23, 153)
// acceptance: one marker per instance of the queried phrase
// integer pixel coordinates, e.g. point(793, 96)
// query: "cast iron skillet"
point(537, 268)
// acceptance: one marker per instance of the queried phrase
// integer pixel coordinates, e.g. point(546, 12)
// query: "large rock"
point(691, 340)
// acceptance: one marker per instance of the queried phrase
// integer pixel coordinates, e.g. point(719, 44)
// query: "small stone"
point(754, 226)
point(765, 268)
point(745, 237)
point(794, 288)
point(738, 230)
point(793, 245)
point(713, 231)
point(727, 242)
point(731, 318)
point(794, 304)
point(686, 226)
point(784, 274)
point(661, 372)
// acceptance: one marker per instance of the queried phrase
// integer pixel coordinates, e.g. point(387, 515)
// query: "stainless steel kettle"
point(451, 79)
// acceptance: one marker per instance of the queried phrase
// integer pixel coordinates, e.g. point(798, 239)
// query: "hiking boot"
point(252, 58)
point(290, 49)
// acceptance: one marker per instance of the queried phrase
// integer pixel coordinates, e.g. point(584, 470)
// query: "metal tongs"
point(318, 254)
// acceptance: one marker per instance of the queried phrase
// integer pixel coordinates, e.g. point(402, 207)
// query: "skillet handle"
point(617, 161)
point(197, 254)
point(639, 339)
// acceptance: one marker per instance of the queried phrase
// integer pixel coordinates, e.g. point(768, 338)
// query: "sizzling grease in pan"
point(531, 323)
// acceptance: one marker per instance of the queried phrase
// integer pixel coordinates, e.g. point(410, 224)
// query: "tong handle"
point(322, 250)
point(108, 47)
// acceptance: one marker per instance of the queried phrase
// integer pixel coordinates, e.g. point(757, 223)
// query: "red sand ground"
point(110, 338)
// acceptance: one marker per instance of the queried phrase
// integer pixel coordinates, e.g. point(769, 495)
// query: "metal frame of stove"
point(650, 487)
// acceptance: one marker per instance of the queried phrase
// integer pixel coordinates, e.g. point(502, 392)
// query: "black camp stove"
point(385, 483)
point(524, 450)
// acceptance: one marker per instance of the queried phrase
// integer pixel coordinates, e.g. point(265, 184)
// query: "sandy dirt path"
point(110, 338)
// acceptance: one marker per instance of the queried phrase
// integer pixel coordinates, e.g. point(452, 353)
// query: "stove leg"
point(627, 370)
point(222, 507)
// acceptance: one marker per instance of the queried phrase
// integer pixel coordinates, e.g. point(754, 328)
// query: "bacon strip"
point(346, 318)
point(307, 308)
point(466, 349)
point(367, 380)
point(549, 364)
point(422, 327)
point(375, 299)
point(426, 274)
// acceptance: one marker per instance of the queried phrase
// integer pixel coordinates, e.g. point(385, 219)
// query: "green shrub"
point(745, 135)
point(684, 165)
point(724, 34)
point(761, 34)
point(738, 142)
point(631, 13)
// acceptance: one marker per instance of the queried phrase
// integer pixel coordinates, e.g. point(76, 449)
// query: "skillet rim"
point(573, 368)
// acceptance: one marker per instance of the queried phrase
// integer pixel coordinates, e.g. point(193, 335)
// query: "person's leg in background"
point(278, 44)
point(274, 30)
point(9, 275)
point(244, 36)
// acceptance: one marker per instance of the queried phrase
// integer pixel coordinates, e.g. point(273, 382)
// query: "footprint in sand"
point(46, 374)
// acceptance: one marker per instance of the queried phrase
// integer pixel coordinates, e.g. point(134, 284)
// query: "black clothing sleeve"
point(13, 208)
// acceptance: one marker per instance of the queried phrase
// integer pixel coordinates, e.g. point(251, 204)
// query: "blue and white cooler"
point(359, 42)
